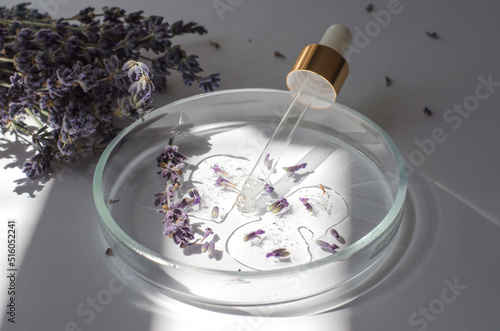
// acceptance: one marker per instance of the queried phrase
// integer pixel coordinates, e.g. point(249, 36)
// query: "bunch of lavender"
point(74, 76)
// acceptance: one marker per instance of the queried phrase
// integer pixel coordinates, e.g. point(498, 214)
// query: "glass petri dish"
point(361, 196)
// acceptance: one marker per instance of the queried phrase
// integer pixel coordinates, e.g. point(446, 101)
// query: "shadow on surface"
point(65, 277)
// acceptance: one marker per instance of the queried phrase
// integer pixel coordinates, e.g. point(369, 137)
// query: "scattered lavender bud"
point(306, 203)
point(218, 170)
point(211, 248)
point(324, 244)
point(221, 181)
point(280, 252)
point(215, 44)
point(253, 234)
point(267, 162)
point(204, 247)
point(277, 206)
point(334, 233)
point(291, 170)
point(388, 81)
point(427, 111)
point(278, 54)
point(269, 189)
point(433, 35)
point(208, 232)
point(215, 212)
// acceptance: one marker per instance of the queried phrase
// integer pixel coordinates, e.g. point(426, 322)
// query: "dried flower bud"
point(306, 203)
point(253, 234)
point(280, 252)
point(215, 212)
point(334, 233)
point(268, 188)
point(291, 170)
point(277, 206)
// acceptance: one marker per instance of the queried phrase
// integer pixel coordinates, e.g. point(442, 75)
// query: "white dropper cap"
point(337, 37)
point(320, 69)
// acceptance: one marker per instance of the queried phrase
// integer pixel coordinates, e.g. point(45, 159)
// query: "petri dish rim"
point(108, 222)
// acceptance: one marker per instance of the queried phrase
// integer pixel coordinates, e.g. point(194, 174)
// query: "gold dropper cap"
point(320, 69)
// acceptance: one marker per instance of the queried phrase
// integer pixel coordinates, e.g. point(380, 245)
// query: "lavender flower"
point(37, 164)
point(218, 170)
point(277, 206)
point(221, 181)
point(306, 203)
point(253, 234)
point(77, 75)
point(327, 246)
point(334, 233)
point(208, 246)
point(204, 247)
point(280, 252)
point(211, 248)
point(208, 231)
point(291, 170)
point(267, 162)
point(268, 188)
point(215, 212)
point(209, 83)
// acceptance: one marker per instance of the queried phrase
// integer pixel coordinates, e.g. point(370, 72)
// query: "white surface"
point(452, 223)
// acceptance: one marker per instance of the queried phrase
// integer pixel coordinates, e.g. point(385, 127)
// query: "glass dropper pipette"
point(317, 75)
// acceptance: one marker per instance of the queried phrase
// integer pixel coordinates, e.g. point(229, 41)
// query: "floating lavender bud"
point(277, 206)
point(324, 244)
point(267, 162)
point(269, 189)
point(253, 234)
point(334, 233)
point(208, 232)
point(306, 203)
point(218, 170)
point(215, 212)
point(204, 247)
point(211, 248)
point(224, 182)
point(280, 252)
point(291, 170)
